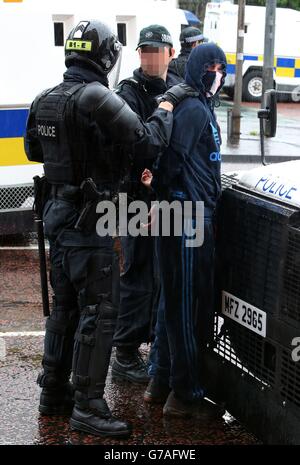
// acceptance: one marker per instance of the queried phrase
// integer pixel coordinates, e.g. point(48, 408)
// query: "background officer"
point(139, 287)
point(86, 120)
point(189, 38)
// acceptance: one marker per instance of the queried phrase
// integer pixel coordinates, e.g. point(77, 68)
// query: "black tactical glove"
point(177, 93)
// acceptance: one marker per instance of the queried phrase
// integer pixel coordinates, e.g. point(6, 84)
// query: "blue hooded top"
point(190, 167)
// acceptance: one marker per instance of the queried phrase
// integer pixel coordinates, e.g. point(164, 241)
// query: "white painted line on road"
point(29, 247)
point(2, 349)
point(22, 333)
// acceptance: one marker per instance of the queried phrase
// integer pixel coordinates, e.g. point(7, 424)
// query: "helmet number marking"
point(80, 45)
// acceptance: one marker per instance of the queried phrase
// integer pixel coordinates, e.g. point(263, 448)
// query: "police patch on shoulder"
point(47, 130)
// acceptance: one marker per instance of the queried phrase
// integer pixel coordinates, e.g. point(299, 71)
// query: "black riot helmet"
point(93, 43)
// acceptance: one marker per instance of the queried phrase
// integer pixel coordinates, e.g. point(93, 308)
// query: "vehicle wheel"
point(252, 86)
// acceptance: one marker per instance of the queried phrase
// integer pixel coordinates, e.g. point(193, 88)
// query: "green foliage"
point(196, 6)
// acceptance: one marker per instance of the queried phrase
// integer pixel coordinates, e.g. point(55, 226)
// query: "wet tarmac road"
point(20, 312)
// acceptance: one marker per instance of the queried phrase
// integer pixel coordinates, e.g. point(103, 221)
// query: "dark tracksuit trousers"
point(185, 313)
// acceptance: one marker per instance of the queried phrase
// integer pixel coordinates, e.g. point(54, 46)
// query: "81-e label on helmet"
point(81, 45)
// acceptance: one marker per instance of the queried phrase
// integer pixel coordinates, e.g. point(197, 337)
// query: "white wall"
point(30, 61)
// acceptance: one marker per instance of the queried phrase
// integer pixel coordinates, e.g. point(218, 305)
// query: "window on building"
point(58, 34)
point(122, 33)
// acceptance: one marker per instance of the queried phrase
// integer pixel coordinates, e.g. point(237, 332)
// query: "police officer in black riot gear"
point(72, 129)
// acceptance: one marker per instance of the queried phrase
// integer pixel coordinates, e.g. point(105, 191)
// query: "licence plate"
point(244, 313)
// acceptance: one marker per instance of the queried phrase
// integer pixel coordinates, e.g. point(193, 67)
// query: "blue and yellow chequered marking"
point(12, 130)
point(283, 66)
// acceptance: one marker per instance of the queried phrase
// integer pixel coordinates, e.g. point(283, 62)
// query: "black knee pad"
point(59, 340)
point(92, 348)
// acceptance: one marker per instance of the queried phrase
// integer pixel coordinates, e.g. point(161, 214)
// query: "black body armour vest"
point(73, 146)
point(53, 134)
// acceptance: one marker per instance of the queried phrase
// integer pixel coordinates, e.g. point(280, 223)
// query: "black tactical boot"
point(56, 396)
point(94, 417)
point(129, 366)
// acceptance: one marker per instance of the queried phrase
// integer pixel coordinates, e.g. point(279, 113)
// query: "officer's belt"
point(65, 191)
point(73, 193)
point(61, 190)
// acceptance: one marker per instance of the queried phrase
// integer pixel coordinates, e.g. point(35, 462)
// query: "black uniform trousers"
point(139, 292)
point(85, 280)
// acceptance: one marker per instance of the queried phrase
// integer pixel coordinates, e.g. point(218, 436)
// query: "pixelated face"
point(155, 60)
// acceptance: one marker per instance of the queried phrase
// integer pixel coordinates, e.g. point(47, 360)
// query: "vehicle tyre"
point(252, 86)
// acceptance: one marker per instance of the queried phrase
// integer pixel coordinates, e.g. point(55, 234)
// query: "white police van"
point(220, 26)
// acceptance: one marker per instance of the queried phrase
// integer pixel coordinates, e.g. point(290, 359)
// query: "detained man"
point(189, 170)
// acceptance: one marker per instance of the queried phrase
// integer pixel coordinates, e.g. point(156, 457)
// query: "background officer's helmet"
point(93, 43)
point(189, 35)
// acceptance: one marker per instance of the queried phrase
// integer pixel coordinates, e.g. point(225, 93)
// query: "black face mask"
point(208, 79)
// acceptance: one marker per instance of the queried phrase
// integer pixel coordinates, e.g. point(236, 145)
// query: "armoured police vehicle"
point(254, 358)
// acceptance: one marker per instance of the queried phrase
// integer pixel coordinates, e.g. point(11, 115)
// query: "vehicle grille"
point(16, 198)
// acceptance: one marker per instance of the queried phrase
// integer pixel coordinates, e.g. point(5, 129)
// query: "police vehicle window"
point(58, 34)
point(122, 33)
